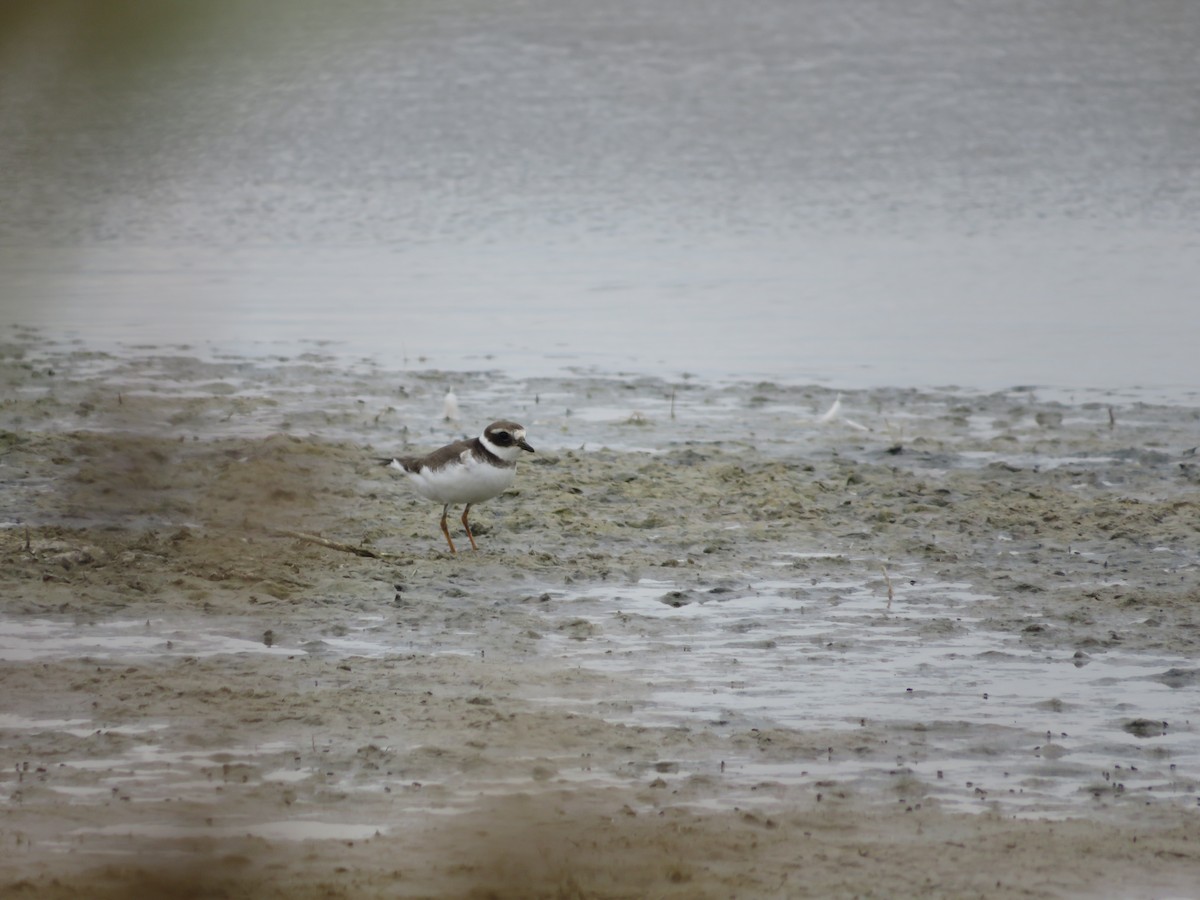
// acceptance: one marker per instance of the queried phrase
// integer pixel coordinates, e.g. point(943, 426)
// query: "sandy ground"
point(161, 497)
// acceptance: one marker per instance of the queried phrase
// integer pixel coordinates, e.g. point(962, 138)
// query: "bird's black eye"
point(502, 439)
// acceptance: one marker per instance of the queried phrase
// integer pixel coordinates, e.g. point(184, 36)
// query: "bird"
point(468, 471)
point(450, 406)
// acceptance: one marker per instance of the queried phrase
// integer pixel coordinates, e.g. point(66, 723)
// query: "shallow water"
point(810, 192)
point(24, 640)
point(979, 717)
point(969, 715)
point(900, 322)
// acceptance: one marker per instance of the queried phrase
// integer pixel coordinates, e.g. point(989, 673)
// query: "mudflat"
point(740, 639)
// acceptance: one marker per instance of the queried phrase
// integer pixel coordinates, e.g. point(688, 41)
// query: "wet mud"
point(719, 639)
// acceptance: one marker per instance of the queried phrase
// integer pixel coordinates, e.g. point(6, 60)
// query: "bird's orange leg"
point(467, 525)
point(446, 531)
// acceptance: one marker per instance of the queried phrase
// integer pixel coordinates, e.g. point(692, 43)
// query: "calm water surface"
point(858, 193)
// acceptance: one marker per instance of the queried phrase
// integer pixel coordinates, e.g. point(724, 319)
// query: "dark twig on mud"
point(325, 542)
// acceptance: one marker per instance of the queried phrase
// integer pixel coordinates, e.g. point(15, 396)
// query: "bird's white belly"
point(473, 482)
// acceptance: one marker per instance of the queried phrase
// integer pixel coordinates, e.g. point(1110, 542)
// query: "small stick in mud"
point(888, 579)
point(325, 542)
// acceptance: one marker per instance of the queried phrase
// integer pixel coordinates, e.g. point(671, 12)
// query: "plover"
point(469, 471)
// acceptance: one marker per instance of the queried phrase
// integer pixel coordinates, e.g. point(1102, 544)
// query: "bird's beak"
point(524, 445)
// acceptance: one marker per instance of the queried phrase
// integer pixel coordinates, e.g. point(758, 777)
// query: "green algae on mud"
point(1058, 543)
